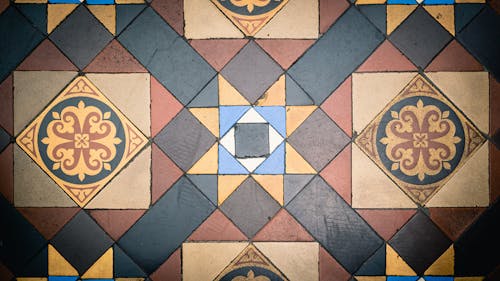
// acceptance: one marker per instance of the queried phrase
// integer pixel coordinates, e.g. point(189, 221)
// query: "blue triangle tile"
point(229, 115)
point(207, 184)
point(375, 265)
point(123, 266)
point(275, 163)
point(294, 93)
point(63, 278)
point(208, 97)
point(464, 13)
point(36, 14)
point(438, 278)
point(125, 14)
point(276, 116)
point(228, 164)
point(376, 14)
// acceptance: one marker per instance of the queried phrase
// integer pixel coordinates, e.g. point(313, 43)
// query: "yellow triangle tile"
point(396, 14)
point(106, 14)
point(56, 13)
point(102, 268)
point(273, 184)
point(444, 264)
point(444, 14)
point(473, 278)
point(370, 278)
point(275, 95)
point(295, 163)
point(208, 163)
point(296, 115)
point(58, 265)
point(228, 95)
point(209, 117)
point(227, 184)
point(395, 265)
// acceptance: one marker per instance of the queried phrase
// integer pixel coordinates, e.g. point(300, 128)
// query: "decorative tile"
point(338, 174)
point(172, 12)
point(123, 265)
point(377, 14)
point(386, 58)
point(125, 14)
point(169, 270)
point(217, 227)
point(47, 57)
point(79, 177)
point(386, 222)
point(116, 222)
point(48, 221)
point(445, 61)
point(283, 227)
point(285, 51)
point(329, 12)
point(330, 269)
point(218, 52)
point(114, 58)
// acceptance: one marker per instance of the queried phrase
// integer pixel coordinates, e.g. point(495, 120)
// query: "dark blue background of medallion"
point(120, 133)
point(259, 271)
point(256, 10)
point(428, 178)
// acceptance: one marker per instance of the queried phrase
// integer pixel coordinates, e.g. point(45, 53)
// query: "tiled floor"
point(325, 140)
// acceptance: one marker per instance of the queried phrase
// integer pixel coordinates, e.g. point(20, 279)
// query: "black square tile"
point(251, 140)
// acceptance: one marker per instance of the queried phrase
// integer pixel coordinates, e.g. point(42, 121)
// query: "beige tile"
point(297, 261)
point(130, 189)
point(203, 20)
point(34, 188)
point(297, 19)
point(371, 188)
point(33, 90)
point(204, 261)
point(469, 91)
point(371, 92)
point(130, 93)
point(469, 186)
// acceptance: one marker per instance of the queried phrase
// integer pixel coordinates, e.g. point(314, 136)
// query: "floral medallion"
point(81, 140)
point(250, 15)
point(420, 140)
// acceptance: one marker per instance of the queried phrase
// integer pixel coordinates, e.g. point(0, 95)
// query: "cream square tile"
point(32, 92)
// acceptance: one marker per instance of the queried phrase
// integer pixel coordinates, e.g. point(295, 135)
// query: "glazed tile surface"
point(293, 140)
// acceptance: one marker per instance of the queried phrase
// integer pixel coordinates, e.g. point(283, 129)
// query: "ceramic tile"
point(283, 227)
point(57, 13)
point(330, 269)
point(4, 5)
point(494, 129)
point(37, 266)
point(207, 184)
point(164, 173)
point(5, 139)
point(386, 222)
point(46, 56)
point(6, 173)
point(444, 14)
point(339, 106)
point(285, 51)
point(374, 265)
point(386, 58)
point(123, 265)
point(36, 14)
point(114, 58)
point(338, 174)
point(106, 15)
point(396, 265)
point(377, 14)
point(172, 12)
point(116, 222)
point(329, 12)
point(446, 60)
point(293, 184)
point(164, 106)
point(444, 265)
point(396, 14)
point(453, 221)
point(218, 52)
point(125, 14)
point(217, 227)
point(6, 105)
point(169, 270)
point(464, 13)
point(48, 221)
point(295, 95)
point(208, 97)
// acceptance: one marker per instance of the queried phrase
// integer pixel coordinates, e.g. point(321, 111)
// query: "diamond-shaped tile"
point(64, 138)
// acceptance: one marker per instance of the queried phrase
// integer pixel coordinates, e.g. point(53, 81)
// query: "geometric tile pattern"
point(249, 140)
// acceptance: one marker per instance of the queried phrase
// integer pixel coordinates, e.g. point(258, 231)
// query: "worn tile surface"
point(288, 140)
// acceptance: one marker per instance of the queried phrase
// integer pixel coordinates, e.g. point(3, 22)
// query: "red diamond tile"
point(116, 222)
point(338, 174)
point(48, 220)
point(164, 173)
point(172, 11)
point(46, 57)
point(170, 270)
point(447, 60)
point(453, 221)
point(386, 58)
point(339, 106)
point(329, 12)
point(115, 58)
point(494, 126)
point(386, 222)
point(7, 173)
point(283, 227)
point(217, 227)
point(6, 105)
point(164, 106)
point(218, 52)
point(285, 52)
point(330, 269)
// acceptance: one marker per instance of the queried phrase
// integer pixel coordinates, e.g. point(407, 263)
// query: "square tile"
point(251, 140)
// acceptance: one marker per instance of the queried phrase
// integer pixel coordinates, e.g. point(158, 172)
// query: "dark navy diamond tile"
point(166, 225)
point(250, 207)
point(81, 241)
point(420, 242)
point(482, 38)
point(185, 140)
point(125, 14)
point(251, 140)
point(36, 14)
point(341, 231)
point(420, 37)
point(5, 139)
point(336, 55)
point(81, 37)
point(476, 251)
point(376, 14)
point(207, 184)
point(123, 265)
point(18, 38)
point(20, 241)
point(166, 55)
point(251, 71)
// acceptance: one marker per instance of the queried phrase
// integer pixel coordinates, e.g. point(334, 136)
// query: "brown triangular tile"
point(3, 5)
point(5, 273)
point(7, 173)
point(329, 12)
point(116, 222)
point(48, 220)
point(453, 221)
point(283, 227)
point(218, 52)
point(386, 222)
point(338, 174)
point(330, 269)
point(115, 58)
point(386, 58)
point(339, 106)
point(46, 57)
point(217, 227)
point(447, 60)
point(164, 172)
point(170, 269)
point(285, 52)
point(172, 11)
point(6, 105)
point(164, 106)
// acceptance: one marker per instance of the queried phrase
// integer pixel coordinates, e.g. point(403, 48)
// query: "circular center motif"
point(251, 273)
point(250, 7)
point(420, 140)
point(81, 140)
